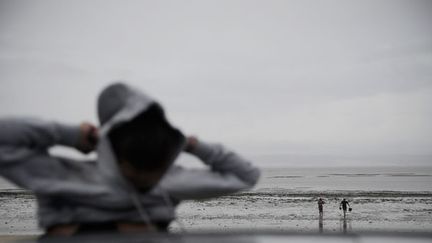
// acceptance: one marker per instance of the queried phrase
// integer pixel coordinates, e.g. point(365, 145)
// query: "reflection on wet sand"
point(345, 225)
point(320, 223)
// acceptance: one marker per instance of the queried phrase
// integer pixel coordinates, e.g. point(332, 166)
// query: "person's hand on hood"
point(88, 138)
point(191, 142)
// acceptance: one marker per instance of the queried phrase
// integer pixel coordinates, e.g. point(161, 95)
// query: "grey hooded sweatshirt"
point(72, 191)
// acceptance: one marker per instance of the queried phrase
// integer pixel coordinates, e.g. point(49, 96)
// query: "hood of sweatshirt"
point(118, 104)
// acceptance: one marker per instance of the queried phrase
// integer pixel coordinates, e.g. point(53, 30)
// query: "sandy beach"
point(286, 201)
point(290, 212)
point(294, 212)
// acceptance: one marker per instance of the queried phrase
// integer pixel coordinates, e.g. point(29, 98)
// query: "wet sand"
point(298, 212)
point(17, 213)
point(276, 211)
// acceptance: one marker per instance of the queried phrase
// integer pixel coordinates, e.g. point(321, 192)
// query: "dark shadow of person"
point(320, 224)
point(345, 225)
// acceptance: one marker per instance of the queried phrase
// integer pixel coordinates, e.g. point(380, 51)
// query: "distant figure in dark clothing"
point(320, 206)
point(344, 204)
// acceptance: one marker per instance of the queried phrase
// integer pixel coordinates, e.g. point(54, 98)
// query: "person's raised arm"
point(35, 134)
point(24, 157)
point(228, 173)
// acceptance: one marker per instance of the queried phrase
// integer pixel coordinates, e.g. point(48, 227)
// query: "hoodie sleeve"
point(24, 157)
point(228, 173)
point(36, 134)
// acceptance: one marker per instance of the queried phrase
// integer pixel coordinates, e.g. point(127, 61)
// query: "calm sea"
point(409, 179)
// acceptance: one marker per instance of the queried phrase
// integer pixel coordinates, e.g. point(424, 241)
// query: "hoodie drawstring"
point(145, 217)
point(143, 214)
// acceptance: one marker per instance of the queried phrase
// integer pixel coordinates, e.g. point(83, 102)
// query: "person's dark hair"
point(148, 142)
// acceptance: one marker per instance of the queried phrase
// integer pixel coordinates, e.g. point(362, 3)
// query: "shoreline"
point(282, 192)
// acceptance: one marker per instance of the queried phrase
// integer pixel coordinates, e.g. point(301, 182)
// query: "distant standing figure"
point(344, 204)
point(320, 206)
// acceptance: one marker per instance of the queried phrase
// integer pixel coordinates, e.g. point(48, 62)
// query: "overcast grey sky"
point(338, 81)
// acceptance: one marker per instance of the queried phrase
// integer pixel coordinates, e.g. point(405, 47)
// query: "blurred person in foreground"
point(133, 185)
